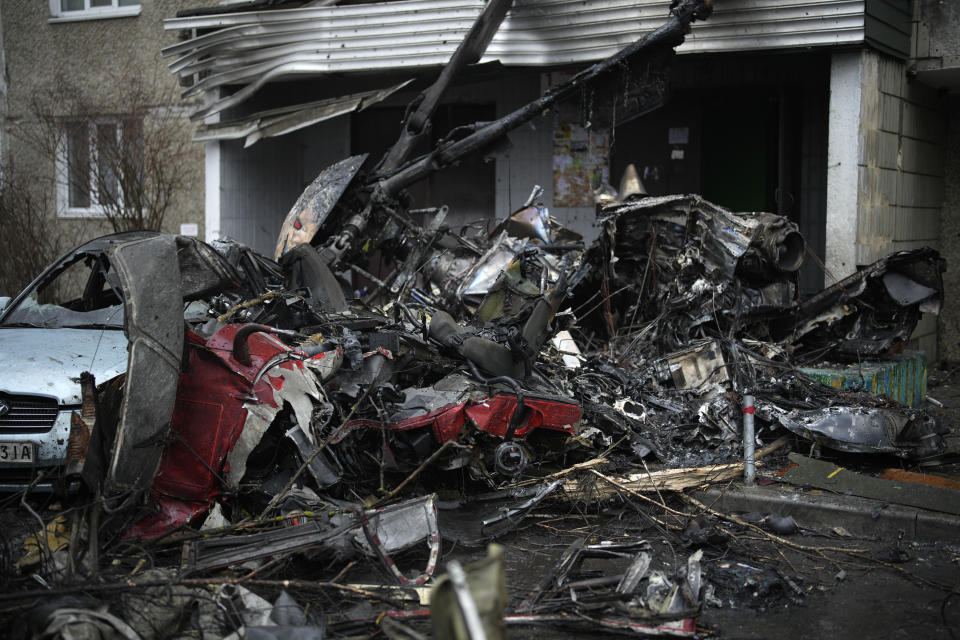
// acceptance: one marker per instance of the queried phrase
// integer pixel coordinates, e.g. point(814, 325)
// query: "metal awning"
point(250, 49)
point(277, 122)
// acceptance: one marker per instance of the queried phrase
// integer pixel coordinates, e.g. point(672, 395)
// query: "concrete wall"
point(901, 175)
point(901, 181)
point(949, 322)
point(842, 161)
point(936, 58)
point(98, 59)
point(885, 166)
point(936, 40)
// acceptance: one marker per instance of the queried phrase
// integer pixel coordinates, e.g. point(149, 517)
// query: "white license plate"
point(17, 452)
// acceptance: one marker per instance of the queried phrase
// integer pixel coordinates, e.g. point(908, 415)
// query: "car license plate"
point(17, 452)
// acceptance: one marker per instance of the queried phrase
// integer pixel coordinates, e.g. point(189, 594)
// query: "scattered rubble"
point(236, 411)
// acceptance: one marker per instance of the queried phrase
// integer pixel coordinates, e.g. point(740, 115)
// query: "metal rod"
point(670, 34)
point(470, 50)
point(749, 453)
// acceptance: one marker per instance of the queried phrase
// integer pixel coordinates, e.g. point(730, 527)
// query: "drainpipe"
point(749, 460)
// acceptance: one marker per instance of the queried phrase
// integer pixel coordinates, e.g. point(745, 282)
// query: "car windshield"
point(77, 296)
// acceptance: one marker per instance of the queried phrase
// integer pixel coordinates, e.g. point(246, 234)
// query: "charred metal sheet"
point(476, 521)
point(378, 532)
point(312, 208)
point(399, 527)
point(320, 464)
point(219, 552)
point(149, 276)
point(728, 241)
point(278, 122)
point(203, 272)
point(531, 222)
point(869, 430)
point(870, 311)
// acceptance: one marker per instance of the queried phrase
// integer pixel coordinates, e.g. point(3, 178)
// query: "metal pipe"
point(241, 350)
point(470, 50)
point(749, 453)
point(670, 34)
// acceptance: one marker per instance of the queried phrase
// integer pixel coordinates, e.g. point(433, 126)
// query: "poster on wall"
point(579, 164)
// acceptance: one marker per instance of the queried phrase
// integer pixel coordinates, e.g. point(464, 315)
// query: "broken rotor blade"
point(471, 49)
point(670, 34)
point(313, 206)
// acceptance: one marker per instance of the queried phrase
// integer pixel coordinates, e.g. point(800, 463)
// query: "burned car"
point(127, 311)
point(112, 306)
point(67, 321)
point(168, 401)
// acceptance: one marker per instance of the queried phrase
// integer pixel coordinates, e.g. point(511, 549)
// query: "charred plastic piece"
point(871, 311)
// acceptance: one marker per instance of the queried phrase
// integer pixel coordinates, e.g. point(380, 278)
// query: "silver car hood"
point(49, 362)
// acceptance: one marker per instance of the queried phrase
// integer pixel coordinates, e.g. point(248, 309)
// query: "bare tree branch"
point(121, 156)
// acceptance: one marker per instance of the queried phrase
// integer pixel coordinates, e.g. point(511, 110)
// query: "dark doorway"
point(740, 153)
point(757, 146)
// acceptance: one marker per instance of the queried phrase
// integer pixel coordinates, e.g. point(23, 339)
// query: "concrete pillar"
point(211, 172)
point(949, 322)
point(846, 69)
point(211, 205)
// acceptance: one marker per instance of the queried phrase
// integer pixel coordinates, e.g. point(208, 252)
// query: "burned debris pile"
point(484, 376)
point(386, 386)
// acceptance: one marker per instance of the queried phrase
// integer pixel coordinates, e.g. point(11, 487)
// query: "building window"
point(97, 162)
point(72, 10)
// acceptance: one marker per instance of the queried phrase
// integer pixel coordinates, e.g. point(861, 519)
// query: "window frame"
point(62, 169)
point(57, 14)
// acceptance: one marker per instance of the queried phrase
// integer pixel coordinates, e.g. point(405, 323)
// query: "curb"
point(859, 516)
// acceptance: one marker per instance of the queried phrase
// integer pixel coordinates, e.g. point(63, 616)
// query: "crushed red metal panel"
point(208, 418)
point(494, 415)
point(491, 415)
